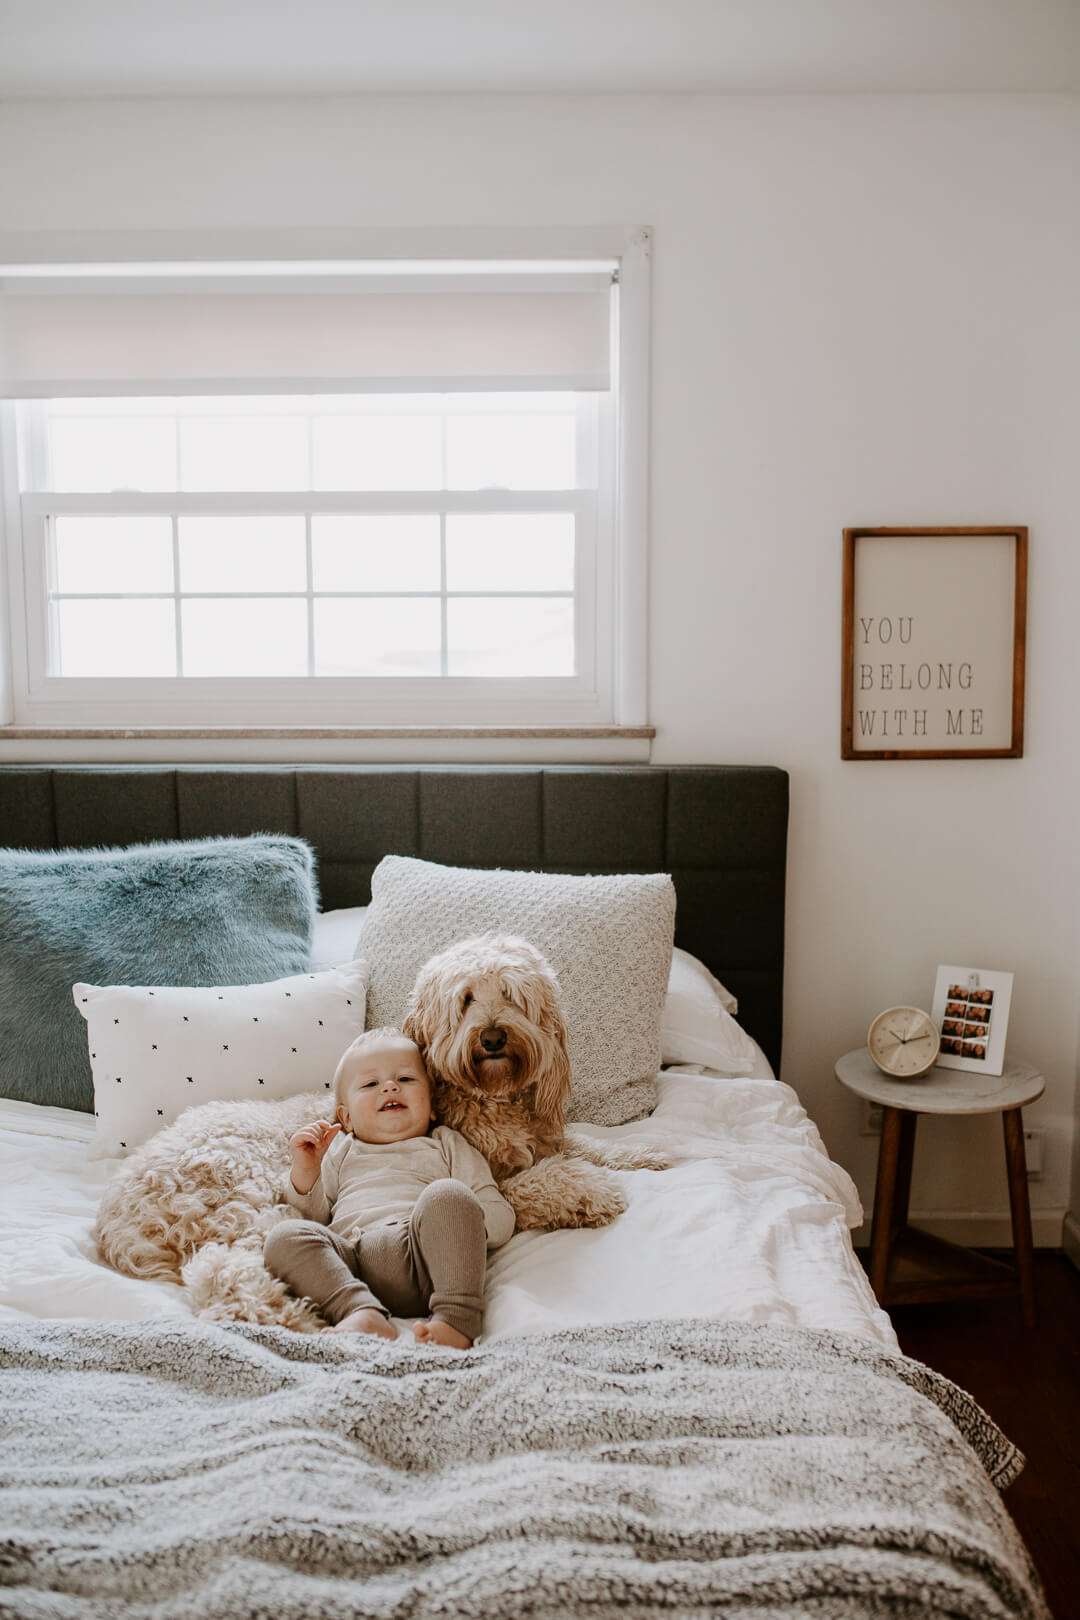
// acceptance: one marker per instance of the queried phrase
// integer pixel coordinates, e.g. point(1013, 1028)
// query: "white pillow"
point(156, 1052)
point(334, 936)
point(608, 939)
point(696, 1026)
point(684, 959)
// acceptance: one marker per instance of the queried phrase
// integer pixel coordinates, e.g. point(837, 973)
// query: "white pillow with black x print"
point(155, 1052)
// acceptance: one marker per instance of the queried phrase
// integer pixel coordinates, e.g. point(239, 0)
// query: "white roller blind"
point(113, 330)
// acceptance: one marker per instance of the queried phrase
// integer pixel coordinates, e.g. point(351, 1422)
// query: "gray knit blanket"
point(185, 1471)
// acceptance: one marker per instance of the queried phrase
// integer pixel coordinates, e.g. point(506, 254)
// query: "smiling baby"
point(397, 1213)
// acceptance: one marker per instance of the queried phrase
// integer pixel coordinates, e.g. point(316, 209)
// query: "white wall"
point(865, 313)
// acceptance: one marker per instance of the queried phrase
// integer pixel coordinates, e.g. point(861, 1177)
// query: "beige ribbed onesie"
point(401, 1227)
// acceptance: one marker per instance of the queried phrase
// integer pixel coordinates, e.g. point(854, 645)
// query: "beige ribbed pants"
point(433, 1261)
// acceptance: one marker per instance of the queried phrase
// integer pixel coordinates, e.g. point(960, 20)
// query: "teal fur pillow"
point(217, 911)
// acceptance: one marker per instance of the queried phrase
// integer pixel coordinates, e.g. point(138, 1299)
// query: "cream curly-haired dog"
point(486, 1016)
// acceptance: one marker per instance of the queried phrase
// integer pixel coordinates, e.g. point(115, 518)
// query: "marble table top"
point(941, 1090)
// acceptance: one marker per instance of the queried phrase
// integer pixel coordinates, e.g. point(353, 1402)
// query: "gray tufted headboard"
point(720, 830)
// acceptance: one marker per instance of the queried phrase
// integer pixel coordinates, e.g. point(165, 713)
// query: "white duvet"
point(750, 1223)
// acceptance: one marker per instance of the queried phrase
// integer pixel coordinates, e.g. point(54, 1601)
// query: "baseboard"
point(976, 1230)
point(1070, 1237)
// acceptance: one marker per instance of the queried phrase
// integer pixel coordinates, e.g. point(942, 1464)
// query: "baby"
point(398, 1218)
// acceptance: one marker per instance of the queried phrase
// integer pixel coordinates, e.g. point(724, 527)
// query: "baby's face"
point(387, 1093)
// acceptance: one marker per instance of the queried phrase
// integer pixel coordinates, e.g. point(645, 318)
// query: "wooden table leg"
point(882, 1233)
point(1020, 1207)
point(904, 1159)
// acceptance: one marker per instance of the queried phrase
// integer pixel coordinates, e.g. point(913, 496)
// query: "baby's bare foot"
point(365, 1321)
point(435, 1331)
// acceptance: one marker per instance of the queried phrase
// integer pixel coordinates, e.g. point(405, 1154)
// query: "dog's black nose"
point(492, 1039)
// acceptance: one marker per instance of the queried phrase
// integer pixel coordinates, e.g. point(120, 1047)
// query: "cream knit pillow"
point(609, 940)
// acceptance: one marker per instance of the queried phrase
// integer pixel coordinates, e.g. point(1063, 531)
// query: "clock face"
point(904, 1042)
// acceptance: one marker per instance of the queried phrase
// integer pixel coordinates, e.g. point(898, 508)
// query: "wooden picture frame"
point(971, 1009)
point(933, 641)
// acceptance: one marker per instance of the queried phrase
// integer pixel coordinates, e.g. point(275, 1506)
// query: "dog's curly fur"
point(193, 1205)
point(486, 1016)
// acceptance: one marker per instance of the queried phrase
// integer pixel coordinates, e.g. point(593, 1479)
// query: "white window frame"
point(609, 687)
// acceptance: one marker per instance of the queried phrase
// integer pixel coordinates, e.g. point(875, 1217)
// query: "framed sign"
point(933, 643)
point(971, 1009)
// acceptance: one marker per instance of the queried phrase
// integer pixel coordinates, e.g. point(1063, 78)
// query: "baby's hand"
point(307, 1149)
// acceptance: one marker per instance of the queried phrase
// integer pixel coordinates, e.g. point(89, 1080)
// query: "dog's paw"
point(603, 1201)
point(630, 1156)
point(616, 1155)
point(561, 1192)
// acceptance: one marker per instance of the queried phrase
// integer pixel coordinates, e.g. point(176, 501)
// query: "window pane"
point(244, 452)
point(378, 452)
point(510, 452)
point(274, 589)
point(245, 637)
point(120, 452)
point(526, 636)
point(512, 551)
point(108, 553)
point(387, 636)
point(376, 553)
point(116, 638)
point(242, 554)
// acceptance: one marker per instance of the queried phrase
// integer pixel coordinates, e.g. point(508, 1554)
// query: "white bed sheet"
point(750, 1223)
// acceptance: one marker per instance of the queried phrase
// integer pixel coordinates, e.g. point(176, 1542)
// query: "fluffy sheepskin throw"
point(193, 1205)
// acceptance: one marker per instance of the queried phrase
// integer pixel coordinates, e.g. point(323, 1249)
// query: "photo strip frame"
point(971, 1009)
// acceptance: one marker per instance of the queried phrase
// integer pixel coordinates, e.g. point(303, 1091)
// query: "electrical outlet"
point(1034, 1141)
point(871, 1119)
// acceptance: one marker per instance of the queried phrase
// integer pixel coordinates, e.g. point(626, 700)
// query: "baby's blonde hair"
point(370, 1037)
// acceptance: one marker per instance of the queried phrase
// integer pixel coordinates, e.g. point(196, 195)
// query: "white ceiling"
point(67, 48)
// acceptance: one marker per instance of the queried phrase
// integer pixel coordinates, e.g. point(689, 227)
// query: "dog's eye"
point(466, 1000)
point(515, 995)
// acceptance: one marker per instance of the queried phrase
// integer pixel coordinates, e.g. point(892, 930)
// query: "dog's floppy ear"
point(552, 1086)
point(420, 1010)
point(411, 1028)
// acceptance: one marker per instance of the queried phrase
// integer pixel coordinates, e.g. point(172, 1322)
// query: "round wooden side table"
point(909, 1266)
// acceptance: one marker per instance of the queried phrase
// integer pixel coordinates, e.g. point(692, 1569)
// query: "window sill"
point(325, 744)
point(358, 733)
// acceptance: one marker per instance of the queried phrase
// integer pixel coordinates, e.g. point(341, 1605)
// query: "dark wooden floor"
point(1029, 1382)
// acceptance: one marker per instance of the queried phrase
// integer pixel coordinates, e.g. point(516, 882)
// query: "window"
point(364, 537)
point(425, 531)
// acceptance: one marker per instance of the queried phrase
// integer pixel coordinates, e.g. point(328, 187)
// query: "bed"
point(697, 1409)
